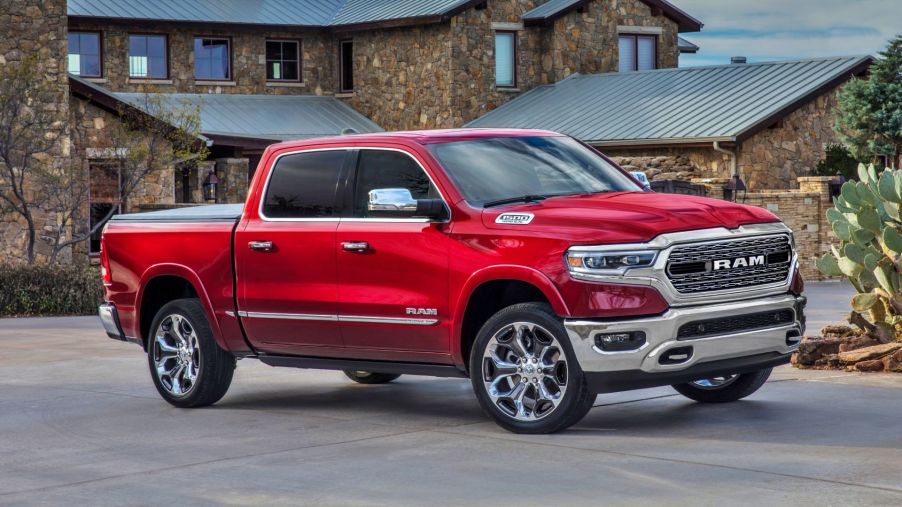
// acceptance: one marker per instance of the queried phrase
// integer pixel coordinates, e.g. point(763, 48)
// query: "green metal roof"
point(266, 117)
point(725, 103)
point(301, 13)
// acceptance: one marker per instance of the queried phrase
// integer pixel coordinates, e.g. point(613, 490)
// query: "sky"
point(767, 30)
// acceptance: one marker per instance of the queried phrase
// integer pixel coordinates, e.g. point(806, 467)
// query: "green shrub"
point(837, 160)
point(49, 290)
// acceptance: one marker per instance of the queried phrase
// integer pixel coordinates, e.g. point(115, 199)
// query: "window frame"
point(635, 42)
point(300, 60)
point(340, 189)
point(231, 76)
point(120, 205)
point(514, 58)
point(350, 190)
point(165, 55)
point(341, 66)
point(100, 51)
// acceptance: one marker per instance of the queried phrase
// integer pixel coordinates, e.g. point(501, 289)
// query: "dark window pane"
point(389, 169)
point(273, 50)
point(290, 71)
point(282, 61)
point(137, 45)
point(73, 42)
point(98, 212)
point(304, 185)
point(347, 66)
point(211, 58)
point(90, 65)
point(156, 46)
point(90, 44)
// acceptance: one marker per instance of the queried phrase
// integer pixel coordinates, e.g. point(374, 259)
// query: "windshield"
point(501, 168)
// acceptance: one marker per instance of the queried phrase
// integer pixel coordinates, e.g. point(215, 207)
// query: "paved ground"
point(80, 424)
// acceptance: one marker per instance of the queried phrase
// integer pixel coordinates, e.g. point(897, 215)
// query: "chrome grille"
point(690, 268)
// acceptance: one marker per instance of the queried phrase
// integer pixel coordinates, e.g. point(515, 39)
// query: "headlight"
point(613, 262)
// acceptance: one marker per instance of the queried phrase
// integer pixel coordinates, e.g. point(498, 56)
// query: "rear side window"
point(380, 169)
point(304, 185)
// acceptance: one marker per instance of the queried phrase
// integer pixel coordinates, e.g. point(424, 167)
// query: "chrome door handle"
point(355, 246)
point(260, 246)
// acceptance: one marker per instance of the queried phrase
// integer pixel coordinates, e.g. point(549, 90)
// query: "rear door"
point(393, 272)
point(285, 256)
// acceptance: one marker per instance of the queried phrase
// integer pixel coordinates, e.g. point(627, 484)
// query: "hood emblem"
point(514, 218)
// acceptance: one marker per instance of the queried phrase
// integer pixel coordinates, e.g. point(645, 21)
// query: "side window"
point(304, 185)
point(377, 169)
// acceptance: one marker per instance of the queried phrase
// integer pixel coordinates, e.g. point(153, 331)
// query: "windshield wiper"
point(511, 200)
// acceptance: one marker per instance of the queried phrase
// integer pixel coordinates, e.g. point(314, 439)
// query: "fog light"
point(620, 342)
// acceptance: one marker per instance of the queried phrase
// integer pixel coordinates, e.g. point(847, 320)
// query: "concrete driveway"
point(81, 424)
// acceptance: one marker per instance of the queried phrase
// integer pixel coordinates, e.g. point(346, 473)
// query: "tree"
point(150, 136)
point(32, 130)
point(837, 160)
point(869, 119)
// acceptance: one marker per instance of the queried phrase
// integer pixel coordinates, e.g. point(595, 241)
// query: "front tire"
point(524, 371)
point(188, 367)
point(724, 389)
point(369, 377)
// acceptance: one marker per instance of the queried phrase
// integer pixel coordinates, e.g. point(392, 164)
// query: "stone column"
point(820, 185)
point(232, 174)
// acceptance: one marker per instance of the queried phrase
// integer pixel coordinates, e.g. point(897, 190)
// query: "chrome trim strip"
point(388, 320)
point(339, 318)
point(230, 313)
point(264, 218)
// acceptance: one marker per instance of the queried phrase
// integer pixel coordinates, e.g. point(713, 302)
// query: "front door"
point(393, 271)
point(286, 259)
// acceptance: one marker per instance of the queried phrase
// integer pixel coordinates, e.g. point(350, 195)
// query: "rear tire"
point(368, 377)
point(724, 389)
point(524, 371)
point(188, 367)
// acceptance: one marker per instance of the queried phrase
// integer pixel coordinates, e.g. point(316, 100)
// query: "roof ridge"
point(726, 65)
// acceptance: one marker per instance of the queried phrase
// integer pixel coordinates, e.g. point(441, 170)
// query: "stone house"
point(768, 122)
point(261, 72)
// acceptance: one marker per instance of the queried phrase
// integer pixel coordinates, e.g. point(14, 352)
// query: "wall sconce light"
point(210, 184)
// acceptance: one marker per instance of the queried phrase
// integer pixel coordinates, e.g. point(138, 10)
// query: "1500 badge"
point(514, 218)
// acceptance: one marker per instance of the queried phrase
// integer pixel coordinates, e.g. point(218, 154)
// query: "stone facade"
point(248, 47)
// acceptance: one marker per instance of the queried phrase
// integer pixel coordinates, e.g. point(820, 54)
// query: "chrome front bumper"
point(661, 332)
point(109, 317)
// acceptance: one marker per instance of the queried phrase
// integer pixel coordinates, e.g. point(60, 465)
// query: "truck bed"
point(211, 213)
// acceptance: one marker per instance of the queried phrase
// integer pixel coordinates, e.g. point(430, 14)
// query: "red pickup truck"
point(524, 260)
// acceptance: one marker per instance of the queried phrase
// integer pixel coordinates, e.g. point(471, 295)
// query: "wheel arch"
point(491, 289)
point(167, 282)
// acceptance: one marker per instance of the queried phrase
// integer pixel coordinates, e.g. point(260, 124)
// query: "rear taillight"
point(105, 274)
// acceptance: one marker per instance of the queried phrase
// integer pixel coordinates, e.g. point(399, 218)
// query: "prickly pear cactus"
point(867, 218)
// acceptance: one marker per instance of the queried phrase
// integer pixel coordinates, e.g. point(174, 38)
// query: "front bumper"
point(709, 356)
point(109, 316)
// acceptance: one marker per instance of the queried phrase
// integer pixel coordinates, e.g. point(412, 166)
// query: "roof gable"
point(549, 11)
point(726, 103)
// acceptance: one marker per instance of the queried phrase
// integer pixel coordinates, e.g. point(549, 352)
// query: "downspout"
point(734, 170)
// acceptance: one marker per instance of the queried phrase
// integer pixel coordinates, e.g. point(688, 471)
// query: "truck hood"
point(623, 217)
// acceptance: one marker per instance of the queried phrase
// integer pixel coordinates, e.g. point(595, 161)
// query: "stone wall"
point(34, 28)
point(673, 163)
point(777, 156)
point(232, 173)
point(248, 48)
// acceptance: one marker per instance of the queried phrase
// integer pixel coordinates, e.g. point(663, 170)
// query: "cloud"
point(779, 29)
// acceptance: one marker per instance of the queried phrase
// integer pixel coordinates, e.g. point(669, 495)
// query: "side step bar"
point(320, 363)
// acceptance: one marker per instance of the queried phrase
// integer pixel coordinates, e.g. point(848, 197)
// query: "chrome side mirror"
point(392, 199)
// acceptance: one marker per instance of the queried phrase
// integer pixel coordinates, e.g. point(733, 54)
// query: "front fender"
point(501, 272)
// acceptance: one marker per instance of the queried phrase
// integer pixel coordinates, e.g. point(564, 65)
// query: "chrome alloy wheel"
point(176, 355)
point(715, 383)
point(524, 371)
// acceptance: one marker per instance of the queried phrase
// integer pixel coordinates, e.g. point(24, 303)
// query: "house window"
point(105, 189)
point(85, 54)
point(147, 57)
point(283, 60)
point(638, 52)
point(346, 62)
point(212, 59)
point(506, 59)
